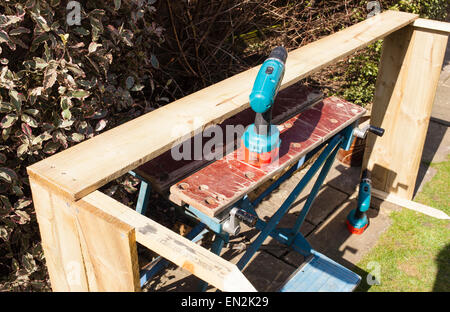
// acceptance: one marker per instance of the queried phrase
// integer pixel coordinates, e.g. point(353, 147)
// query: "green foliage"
point(361, 71)
point(432, 9)
point(414, 252)
point(361, 74)
point(59, 85)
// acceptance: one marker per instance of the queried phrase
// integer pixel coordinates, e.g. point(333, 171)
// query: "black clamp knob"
point(248, 218)
point(376, 130)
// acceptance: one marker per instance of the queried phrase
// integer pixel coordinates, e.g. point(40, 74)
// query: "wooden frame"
point(406, 85)
point(399, 202)
point(89, 239)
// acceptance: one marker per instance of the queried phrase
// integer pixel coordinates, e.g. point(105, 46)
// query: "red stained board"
point(218, 185)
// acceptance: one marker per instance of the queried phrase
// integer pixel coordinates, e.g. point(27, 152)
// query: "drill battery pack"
point(260, 150)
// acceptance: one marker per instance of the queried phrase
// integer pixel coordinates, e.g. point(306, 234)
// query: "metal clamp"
point(232, 225)
point(362, 132)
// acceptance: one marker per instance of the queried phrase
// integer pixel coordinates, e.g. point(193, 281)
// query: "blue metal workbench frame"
point(287, 236)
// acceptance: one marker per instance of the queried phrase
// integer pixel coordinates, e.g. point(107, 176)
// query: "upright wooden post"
point(408, 76)
point(59, 239)
point(109, 250)
point(85, 249)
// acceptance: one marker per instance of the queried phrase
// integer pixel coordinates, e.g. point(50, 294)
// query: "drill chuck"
point(279, 53)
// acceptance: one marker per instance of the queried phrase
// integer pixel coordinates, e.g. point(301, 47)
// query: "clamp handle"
point(248, 218)
point(238, 215)
point(362, 132)
point(376, 130)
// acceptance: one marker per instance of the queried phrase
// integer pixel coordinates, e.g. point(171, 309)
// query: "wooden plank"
point(109, 250)
point(87, 166)
point(181, 251)
point(404, 203)
point(84, 249)
point(219, 185)
point(432, 25)
point(59, 239)
point(409, 71)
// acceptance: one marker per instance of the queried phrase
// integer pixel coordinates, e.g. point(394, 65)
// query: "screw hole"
point(183, 186)
point(249, 175)
point(210, 200)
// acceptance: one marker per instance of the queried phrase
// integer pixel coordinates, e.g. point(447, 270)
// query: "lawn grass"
point(414, 253)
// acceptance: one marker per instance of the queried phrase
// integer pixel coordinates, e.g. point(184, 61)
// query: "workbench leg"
point(144, 193)
point(312, 195)
point(333, 145)
point(406, 84)
point(143, 197)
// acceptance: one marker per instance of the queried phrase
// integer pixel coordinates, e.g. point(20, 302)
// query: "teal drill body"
point(266, 85)
point(357, 220)
point(261, 141)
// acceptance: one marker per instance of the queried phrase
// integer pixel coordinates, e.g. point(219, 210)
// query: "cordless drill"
point(357, 220)
point(260, 141)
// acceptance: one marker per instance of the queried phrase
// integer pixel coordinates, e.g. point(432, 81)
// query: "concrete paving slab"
point(271, 204)
point(275, 248)
point(173, 279)
point(424, 176)
point(264, 271)
point(436, 149)
point(270, 245)
point(267, 273)
point(437, 142)
point(334, 240)
point(444, 78)
point(344, 178)
point(341, 177)
point(327, 200)
point(294, 258)
point(279, 250)
point(441, 105)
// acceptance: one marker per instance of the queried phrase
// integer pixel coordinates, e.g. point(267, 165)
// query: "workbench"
point(211, 191)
